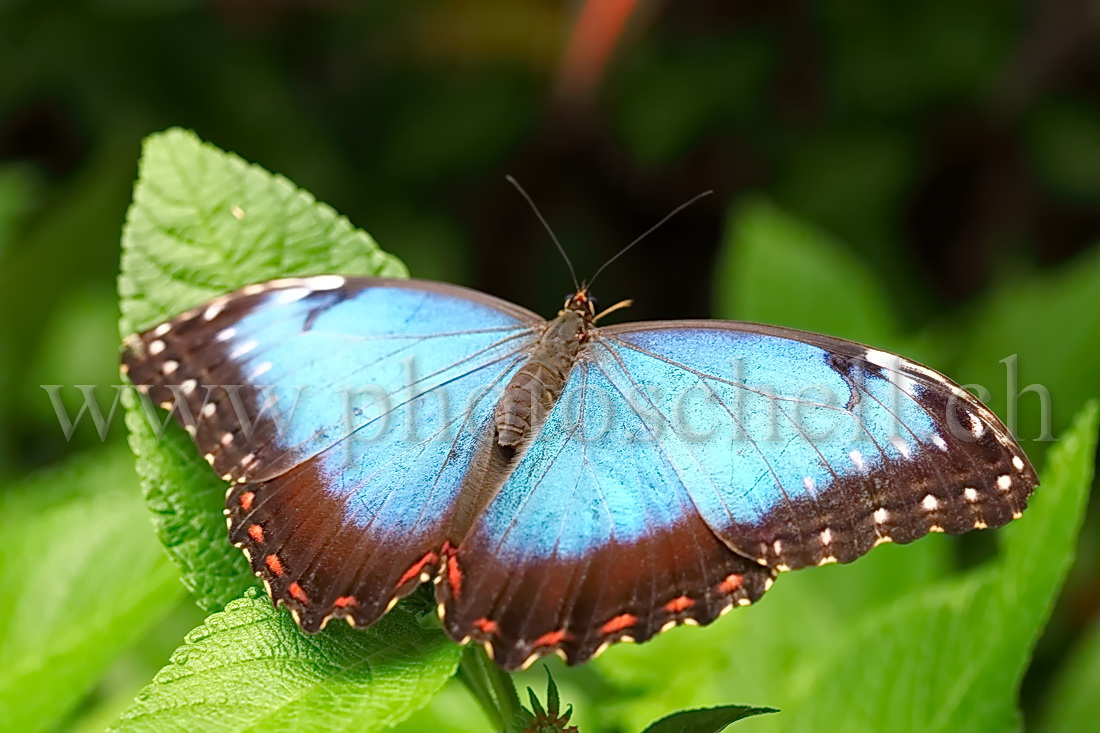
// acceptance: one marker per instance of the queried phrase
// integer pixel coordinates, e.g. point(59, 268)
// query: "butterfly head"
point(582, 304)
point(585, 306)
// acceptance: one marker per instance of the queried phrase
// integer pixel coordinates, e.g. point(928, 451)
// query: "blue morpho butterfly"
point(566, 486)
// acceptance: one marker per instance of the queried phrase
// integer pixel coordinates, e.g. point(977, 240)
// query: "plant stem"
point(492, 688)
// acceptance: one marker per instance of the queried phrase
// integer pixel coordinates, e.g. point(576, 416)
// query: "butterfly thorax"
point(536, 387)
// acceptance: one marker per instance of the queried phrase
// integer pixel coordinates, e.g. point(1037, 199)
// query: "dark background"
point(947, 144)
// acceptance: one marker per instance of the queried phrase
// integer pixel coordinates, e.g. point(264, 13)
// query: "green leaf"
point(946, 655)
point(705, 720)
point(202, 223)
point(775, 269)
point(250, 668)
point(84, 578)
point(548, 719)
point(1074, 705)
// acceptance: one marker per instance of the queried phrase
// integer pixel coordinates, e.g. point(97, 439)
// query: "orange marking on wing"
point(731, 583)
point(417, 568)
point(676, 605)
point(454, 575)
point(276, 565)
point(256, 532)
point(297, 593)
point(551, 638)
point(486, 626)
point(620, 622)
point(345, 601)
point(246, 500)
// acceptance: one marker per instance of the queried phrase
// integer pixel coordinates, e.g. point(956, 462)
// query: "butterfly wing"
point(686, 460)
point(838, 446)
point(346, 413)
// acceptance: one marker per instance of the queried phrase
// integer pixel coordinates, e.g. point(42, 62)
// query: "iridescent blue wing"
point(346, 412)
point(686, 463)
point(589, 543)
point(838, 446)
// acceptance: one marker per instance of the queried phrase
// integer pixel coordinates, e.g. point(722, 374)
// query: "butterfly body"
point(532, 392)
point(565, 486)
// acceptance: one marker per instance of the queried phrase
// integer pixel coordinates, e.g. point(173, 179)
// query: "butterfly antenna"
point(647, 232)
point(572, 272)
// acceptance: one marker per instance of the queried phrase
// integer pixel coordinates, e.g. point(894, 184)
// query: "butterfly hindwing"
point(590, 541)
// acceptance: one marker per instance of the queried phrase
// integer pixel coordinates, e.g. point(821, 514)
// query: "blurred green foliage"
point(85, 581)
point(1074, 706)
point(923, 177)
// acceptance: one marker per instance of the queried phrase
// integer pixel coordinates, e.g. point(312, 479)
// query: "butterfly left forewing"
point(346, 414)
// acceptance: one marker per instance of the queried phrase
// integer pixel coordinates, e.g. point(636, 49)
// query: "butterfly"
point(564, 485)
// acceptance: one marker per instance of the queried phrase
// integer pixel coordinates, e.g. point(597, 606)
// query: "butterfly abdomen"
point(536, 387)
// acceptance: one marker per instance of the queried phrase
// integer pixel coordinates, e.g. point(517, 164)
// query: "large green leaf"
point(204, 222)
point(946, 656)
point(83, 578)
point(250, 668)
